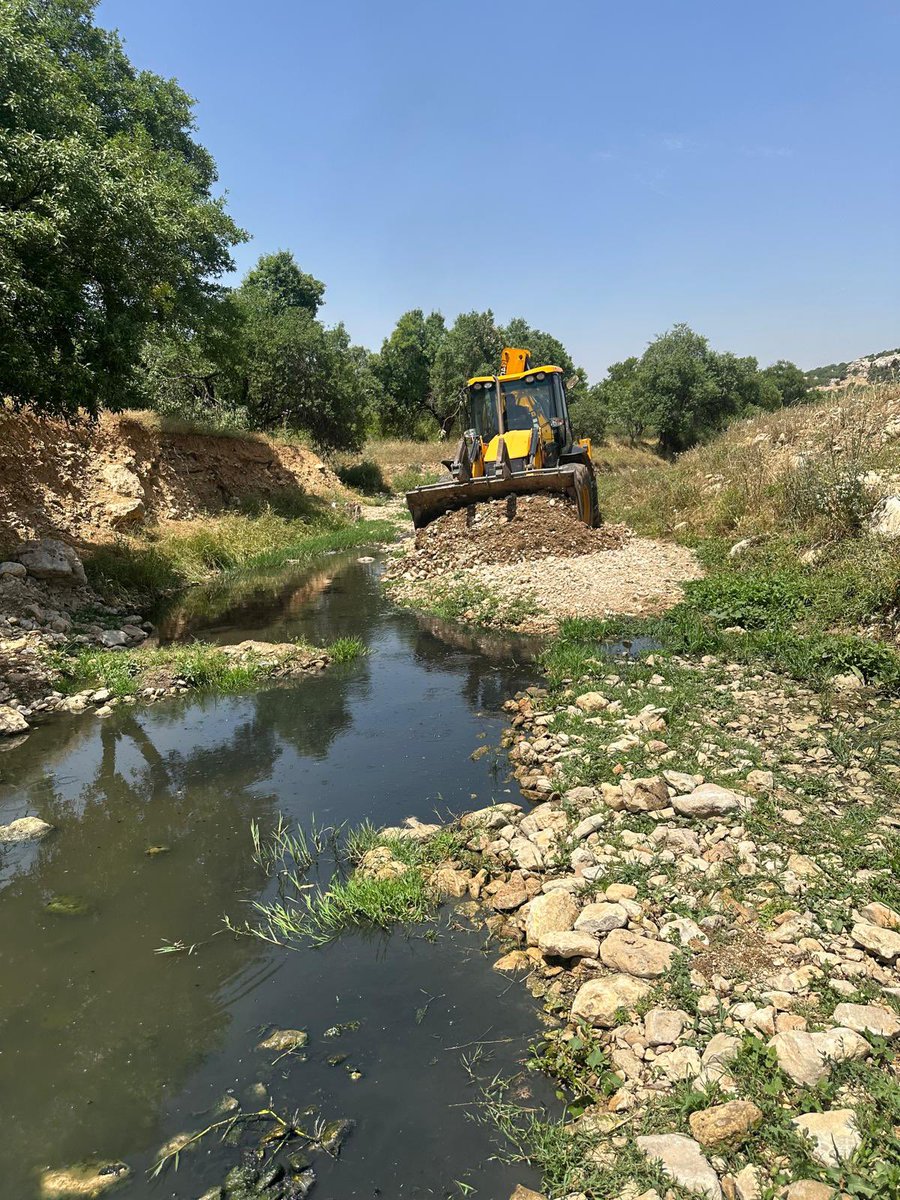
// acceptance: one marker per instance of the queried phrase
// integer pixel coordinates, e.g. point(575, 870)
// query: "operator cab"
point(530, 402)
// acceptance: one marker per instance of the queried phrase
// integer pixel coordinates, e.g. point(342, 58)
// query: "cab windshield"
point(524, 402)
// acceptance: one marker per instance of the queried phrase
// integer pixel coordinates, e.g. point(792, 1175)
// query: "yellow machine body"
point(518, 441)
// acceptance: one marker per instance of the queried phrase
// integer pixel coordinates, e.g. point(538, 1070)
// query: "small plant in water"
point(345, 649)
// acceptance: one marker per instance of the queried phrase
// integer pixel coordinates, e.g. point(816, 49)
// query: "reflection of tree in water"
point(495, 663)
point(245, 599)
point(310, 718)
point(97, 1028)
point(338, 595)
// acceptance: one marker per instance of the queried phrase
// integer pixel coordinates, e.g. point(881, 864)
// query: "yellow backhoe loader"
point(518, 441)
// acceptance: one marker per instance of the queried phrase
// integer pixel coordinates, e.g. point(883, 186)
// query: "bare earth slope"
point(84, 481)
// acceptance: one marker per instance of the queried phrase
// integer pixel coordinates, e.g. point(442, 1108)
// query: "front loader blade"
point(427, 503)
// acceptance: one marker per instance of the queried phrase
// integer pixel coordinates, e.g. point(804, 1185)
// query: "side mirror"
point(572, 382)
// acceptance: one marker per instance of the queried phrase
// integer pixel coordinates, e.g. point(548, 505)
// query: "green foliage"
point(787, 618)
point(184, 374)
point(687, 391)
point(472, 346)
point(792, 383)
point(822, 376)
point(291, 371)
point(363, 901)
point(412, 477)
point(278, 283)
point(366, 477)
point(749, 600)
point(828, 494)
point(141, 569)
point(107, 224)
point(590, 414)
point(403, 368)
point(475, 602)
point(580, 1065)
point(346, 649)
point(264, 361)
point(196, 665)
point(681, 391)
point(360, 901)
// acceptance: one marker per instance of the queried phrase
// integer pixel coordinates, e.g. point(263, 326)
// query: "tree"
point(547, 350)
point(472, 347)
point(792, 383)
point(615, 399)
point(403, 368)
point(590, 414)
point(277, 280)
point(107, 223)
point(185, 374)
point(285, 369)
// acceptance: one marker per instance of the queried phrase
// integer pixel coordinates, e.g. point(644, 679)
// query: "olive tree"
point(108, 224)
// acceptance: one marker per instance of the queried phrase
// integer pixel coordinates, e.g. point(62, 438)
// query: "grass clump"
point(779, 620)
point(367, 902)
point(196, 665)
point(160, 562)
point(413, 477)
point(346, 649)
point(471, 602)
point(393, 465)
point(394, 892)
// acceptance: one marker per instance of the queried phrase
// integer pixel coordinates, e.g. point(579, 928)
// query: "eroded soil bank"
point(84, 481)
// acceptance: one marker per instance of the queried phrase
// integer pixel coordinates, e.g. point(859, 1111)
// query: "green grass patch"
point(782, 618)
point(346, 649)
point(196, 665)
point(472, 602)
point(413, 477)
point(352, 899)
point(159, 563)
point(366, 902)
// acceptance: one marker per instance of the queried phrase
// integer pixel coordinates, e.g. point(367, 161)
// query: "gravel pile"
point(538, 527)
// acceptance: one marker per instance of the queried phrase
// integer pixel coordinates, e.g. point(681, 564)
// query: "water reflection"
point(109, 1047)
point(94, 1033)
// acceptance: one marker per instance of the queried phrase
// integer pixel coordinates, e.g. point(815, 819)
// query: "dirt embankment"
point(83, 482)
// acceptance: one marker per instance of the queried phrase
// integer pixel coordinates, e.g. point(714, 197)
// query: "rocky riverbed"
point(704, 894)
point(49, 614)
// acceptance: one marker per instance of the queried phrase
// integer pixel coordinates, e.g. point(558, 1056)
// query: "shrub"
point(826, 494)
point(366, 477)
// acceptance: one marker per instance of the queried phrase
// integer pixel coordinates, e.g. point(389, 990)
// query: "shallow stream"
point(108, 1048)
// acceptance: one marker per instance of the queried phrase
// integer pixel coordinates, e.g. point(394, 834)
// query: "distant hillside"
point(883, 367)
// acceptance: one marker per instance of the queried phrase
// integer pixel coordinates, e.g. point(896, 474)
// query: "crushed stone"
point(546, 558)
point(537, 527)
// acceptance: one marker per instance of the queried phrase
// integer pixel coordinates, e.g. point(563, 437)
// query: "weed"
point(474, 602)
point(413, 477)
point(195, 665)
point(346, 649)
point(357, 901)
point(365, 901)
point(579, 1064)
point(156, 564)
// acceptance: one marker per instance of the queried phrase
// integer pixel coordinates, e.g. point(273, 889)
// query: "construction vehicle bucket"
point(427, 503)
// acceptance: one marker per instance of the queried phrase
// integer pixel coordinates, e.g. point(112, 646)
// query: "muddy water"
point(108, 1048)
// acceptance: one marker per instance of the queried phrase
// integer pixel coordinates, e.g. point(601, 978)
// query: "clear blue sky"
point(604, 168)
